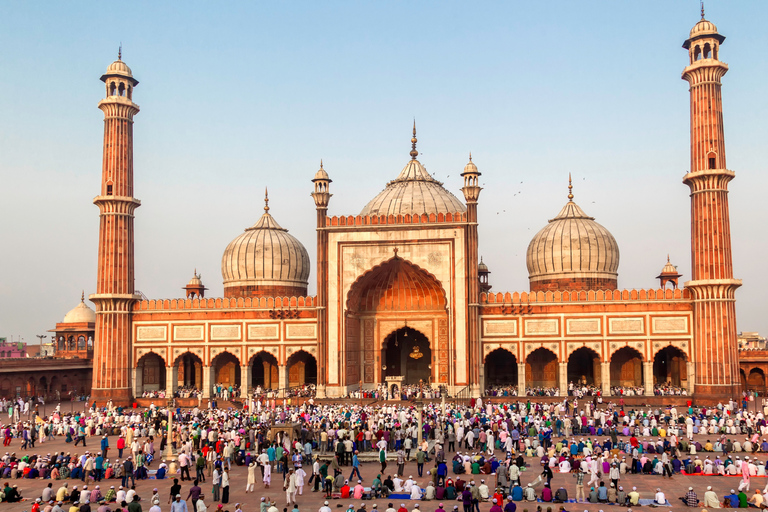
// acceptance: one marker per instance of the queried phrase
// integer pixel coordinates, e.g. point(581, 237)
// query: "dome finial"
point(570, 188)
point(321, 163)
point(414, 153)
point(82, 297)
point(702, 9)
point(120, 52)
point(266, 200)
point(470, 156)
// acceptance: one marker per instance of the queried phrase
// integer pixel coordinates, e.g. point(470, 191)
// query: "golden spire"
point(470, 156)
point(82, 297)
point(120, 52)
point(702, 9)
point(414, 153)
point(266, 200)
point(570, 188)
point(667, 258)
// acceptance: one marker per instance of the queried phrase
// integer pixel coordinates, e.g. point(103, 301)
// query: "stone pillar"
point(245, 382)
point(691, 368)
point(520, 379)
point(420, 412)
point(138, 381)
point(605, 372)
point(648, 377)
point(171, 380)
point(206, 387)
point(563, 381)
point(282, 376)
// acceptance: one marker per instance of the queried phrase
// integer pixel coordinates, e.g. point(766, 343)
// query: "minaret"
point(114, 286)
point(322, 197)
point(471, 190)
point(713, 286)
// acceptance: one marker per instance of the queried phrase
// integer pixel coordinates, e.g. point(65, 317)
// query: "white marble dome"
point(80, 314)
point(413, 192)
point(572, 246)
point(703, 27)
point(265, 255)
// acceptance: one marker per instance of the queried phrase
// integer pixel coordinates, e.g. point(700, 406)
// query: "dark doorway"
point(407, 353)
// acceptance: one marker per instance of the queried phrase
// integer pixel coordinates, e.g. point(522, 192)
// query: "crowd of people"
point(597, 447)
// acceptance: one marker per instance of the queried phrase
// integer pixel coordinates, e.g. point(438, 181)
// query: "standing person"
point(175, 489)
point(355, 466)
point(289, 486)
point(300, 476)
point(225, 486)
point(178, 505)
point(580, 485)
point(267, 473)
point(216, 484)
point(251, 482)
point(194, 494)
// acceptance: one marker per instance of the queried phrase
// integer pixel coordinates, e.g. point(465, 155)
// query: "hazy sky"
point(238, 96)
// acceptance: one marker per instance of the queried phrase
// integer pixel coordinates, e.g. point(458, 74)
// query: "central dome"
point(573, 252)
point(413, 192)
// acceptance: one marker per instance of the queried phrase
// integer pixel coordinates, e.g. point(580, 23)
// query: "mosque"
point(402, 296)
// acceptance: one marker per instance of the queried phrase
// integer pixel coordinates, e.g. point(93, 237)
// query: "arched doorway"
point(500, 368)
point(302, 369)
point(396, 293)
point(407, 352)
point(669, 367)
point(541, 369)
point(756, 381)
point(584, 367)
point(226, 369)
point(151, 372)
point(627, 368)
point(190, 371)
point(264, 371)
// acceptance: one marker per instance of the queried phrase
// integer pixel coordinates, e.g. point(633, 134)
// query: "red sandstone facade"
point(399, 289)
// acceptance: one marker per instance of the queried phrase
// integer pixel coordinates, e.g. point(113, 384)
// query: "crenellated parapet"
point(267, 303)
point(373, 220)
point(650, 294)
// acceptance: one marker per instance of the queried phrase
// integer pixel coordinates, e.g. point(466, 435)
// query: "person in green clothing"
point(421, 456)
point(134, 506)
point(476, 468)
point(743, 501)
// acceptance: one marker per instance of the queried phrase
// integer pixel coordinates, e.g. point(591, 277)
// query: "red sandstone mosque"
point(402, 295)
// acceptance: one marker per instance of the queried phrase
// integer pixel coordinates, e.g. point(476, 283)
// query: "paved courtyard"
point(646, 485)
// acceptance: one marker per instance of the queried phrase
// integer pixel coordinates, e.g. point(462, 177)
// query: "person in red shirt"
point(345, 490)
point(402, 508)
point(498, 496)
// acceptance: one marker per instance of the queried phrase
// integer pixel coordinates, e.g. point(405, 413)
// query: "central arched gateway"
point(396, 317)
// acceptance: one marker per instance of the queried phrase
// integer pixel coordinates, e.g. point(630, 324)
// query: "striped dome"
point(572, 246)
point(413, 192)
point(265, 256)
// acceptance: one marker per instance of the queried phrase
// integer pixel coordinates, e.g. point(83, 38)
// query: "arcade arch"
point(225, 368)
point(541, 369)
point(265, 371)
point(584, 367)
point(670, 366)
point(627, 368)
point(302, 369)
point(500, 368)
point(189, 368)
point(151, 373)
point(756, 381)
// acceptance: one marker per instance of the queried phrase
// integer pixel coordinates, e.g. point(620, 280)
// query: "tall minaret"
point(471, 190)
point(713, 286)
point(114, 287)
point(322, 197)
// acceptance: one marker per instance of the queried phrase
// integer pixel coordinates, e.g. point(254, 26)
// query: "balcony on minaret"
point(471, 188)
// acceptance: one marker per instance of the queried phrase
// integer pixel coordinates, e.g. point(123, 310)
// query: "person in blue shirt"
point(732, 499)
point(517, 493)
point(355, 467)
point(602, 493)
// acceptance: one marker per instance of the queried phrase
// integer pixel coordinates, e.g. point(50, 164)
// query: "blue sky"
point(237, 97)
